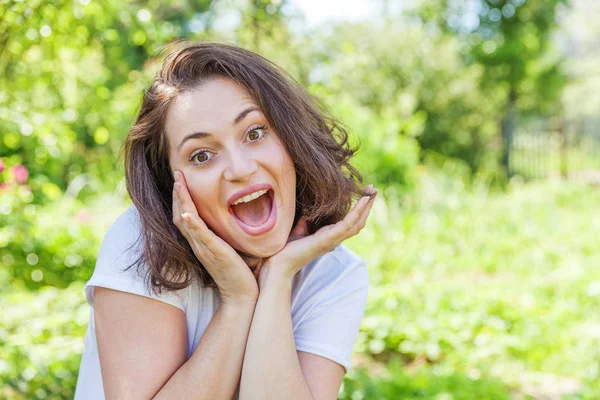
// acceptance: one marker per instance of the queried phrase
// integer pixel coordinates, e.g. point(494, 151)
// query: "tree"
point(511, 39)
point(70, 84)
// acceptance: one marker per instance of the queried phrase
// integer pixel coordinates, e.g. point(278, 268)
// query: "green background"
point(484, 282)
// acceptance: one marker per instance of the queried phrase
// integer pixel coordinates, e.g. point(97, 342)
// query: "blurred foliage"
point(579, 41)
point(54, 244)
point(398, 383)
point(476, 293)
point(41, 342)
point(73, 73)
point(511, 39)
point(433, 100)
point(492, 285)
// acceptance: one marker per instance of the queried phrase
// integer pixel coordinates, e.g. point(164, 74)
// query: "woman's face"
point(221, 142)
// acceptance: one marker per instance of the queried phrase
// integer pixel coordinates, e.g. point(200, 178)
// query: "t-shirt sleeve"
point(115, 255)
point(330, 326)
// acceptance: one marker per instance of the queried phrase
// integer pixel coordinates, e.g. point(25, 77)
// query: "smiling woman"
point(242, 191)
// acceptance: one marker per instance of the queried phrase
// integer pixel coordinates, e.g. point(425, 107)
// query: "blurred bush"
point(41, 341)
point(398, 383)
point(55, 243)
point(497, 285)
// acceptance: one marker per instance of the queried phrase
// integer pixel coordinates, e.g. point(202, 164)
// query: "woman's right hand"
point(237, 284)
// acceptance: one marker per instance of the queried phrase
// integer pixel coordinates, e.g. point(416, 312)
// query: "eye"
point(257, 134)
point(200, 157)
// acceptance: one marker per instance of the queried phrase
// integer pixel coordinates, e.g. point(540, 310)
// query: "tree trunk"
point(507, 127)
point(564, 149)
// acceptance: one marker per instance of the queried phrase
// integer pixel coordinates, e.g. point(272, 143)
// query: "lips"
point(260, 228)
point(247, 190)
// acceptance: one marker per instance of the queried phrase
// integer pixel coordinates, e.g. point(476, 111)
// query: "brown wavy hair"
point(317, 144)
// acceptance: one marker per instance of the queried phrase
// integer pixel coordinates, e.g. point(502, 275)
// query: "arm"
point(272, 368)
point(156, 366)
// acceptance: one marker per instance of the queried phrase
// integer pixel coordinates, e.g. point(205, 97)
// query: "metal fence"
point(568, 149)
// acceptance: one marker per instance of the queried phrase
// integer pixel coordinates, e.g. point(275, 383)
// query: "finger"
point(362, 221)
point(337, 233)
point(184, 205)
point(176, 210)
point(184, 195)
point(177, 220)
point(197, 228)
point(369, 191)
point(187, 207)
point(364, 213)
point(352, 217)
point(189, 227)
point(331, 235)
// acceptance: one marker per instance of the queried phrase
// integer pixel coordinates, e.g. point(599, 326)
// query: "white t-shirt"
point(327, 302)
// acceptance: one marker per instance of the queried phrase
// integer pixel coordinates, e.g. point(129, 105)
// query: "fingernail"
point(370, 191)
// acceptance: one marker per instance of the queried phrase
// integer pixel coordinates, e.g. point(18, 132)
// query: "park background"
point(478, 123)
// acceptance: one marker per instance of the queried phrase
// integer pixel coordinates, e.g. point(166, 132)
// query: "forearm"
point(213, 371)
point(271, 369)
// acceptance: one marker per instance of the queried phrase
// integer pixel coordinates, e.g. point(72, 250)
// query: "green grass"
point(500, 287)
point(474, 295)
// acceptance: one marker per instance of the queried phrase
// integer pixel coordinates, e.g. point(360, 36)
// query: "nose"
point(240, 167)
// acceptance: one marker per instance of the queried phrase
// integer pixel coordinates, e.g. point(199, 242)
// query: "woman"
point(241, 196)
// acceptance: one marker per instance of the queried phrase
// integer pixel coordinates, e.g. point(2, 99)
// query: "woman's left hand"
point(302, 249)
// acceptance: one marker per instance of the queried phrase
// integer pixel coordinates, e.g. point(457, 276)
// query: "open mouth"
point(256, 213)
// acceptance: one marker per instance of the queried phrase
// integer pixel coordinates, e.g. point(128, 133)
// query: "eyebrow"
point(202, 135)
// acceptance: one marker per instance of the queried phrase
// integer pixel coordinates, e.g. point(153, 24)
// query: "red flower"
point(20, 173)
point(1, 166)
point(6, 186)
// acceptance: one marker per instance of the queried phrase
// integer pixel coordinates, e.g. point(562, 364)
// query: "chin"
point(264, 250)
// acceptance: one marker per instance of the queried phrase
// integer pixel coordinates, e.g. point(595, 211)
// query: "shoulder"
point(117, 262)
point(340, 271)
point(124, 230)
point(336, 264)
point(121, 241)
point(329, 297)
point(343, 260)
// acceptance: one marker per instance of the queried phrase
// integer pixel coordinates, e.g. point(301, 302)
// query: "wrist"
point(239, 303)
point(236, 312)
point(274, 276)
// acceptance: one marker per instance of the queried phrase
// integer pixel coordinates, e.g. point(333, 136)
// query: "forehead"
point(209, 107)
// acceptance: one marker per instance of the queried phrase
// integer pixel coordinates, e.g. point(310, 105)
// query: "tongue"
point(255, 212)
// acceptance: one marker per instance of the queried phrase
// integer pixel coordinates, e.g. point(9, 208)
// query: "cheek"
point(285, 165)
point(289, 176)
point(204, 199)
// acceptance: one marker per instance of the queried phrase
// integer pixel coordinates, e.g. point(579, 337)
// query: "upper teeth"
point(250, 197)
